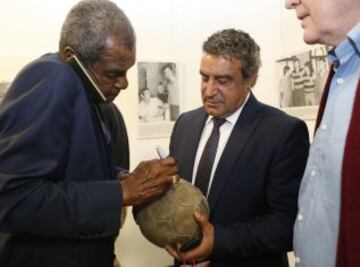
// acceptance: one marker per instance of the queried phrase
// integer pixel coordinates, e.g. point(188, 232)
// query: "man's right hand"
point(149, 179)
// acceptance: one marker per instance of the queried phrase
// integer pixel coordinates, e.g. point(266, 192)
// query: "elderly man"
point(245, 156)
point(60, 201)
point(327, 230)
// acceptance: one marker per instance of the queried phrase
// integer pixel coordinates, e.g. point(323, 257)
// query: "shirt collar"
point(347, 48)
point(354, 36)
point(234, 116)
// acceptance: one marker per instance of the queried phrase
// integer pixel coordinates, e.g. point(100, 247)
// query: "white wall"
point(167, 30)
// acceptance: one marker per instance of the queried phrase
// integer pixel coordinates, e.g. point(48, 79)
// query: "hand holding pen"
point(149, 179)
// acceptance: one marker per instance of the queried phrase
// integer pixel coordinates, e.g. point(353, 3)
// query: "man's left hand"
point(201, 252)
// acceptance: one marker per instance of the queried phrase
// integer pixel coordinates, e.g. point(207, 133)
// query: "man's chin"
point(310, 37)
point(213, 112)
point(110, 98)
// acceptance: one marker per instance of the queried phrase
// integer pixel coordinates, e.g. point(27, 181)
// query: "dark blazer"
point(60, 204)
point(115, 123)
point(253, 196)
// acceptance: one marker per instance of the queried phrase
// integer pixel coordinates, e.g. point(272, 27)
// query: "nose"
point(121, 83)
point(210, 88)
point(291, 4)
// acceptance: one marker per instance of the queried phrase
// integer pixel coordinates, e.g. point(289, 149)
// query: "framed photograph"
point(158, 98)
point(302, 77)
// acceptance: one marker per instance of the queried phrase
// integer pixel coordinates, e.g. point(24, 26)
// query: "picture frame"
point(301, 80)
point(158, 98)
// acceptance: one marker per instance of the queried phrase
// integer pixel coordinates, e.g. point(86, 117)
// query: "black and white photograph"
point(3, 88)
point(302, 78)
point(158, 98)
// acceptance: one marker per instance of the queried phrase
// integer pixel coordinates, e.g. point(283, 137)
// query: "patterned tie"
point(207, 158)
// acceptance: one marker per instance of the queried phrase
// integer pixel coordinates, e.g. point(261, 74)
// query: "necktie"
point(207, 158)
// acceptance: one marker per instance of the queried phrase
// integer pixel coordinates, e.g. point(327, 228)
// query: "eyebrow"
point(115, 71)
point(202, 74)
point(229, 77)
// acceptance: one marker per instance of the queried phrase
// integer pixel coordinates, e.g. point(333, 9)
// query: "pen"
point(160, 152)
point(162, 155)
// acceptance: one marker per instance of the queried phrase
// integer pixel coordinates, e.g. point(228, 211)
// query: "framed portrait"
point(158, 98)
point(302, 77)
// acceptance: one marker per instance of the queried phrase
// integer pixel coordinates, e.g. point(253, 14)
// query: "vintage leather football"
point(169, 219)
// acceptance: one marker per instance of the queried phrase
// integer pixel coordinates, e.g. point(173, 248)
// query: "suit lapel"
point(243, 129)
point(194, 135)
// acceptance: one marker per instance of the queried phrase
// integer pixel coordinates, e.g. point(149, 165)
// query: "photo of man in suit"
point(247, 157)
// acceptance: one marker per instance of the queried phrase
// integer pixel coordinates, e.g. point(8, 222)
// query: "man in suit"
point(260, 158)
point(60, 199)
point(327, 229)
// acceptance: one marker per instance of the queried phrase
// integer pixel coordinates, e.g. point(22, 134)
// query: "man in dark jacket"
point(252, 183)
point(60, 201)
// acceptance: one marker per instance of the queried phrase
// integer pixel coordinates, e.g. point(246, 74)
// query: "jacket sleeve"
point(272, 231)
point(36, 120)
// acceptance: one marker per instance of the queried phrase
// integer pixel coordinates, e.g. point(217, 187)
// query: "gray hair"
point(88, 25)
point(238, 44)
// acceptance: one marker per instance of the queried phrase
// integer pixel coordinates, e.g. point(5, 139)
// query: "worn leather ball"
point(169, 219)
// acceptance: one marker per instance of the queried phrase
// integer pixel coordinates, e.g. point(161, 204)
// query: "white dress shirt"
point(225, 132)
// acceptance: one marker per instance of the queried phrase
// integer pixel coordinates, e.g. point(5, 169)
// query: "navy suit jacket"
point(115, 123)
point(253, 196)
point(60, 204)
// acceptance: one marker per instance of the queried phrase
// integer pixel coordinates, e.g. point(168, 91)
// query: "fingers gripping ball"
point(169, 219)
